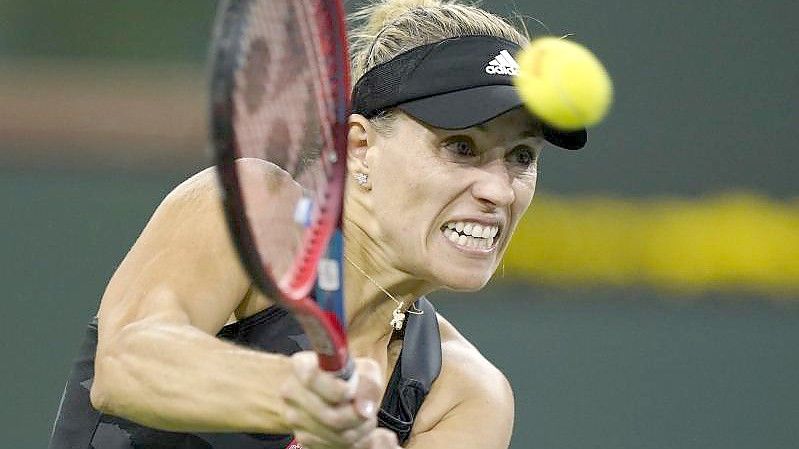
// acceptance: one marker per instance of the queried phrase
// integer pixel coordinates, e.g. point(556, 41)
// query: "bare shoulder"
point(466, 366)
point(470, 389)
point(182, 268)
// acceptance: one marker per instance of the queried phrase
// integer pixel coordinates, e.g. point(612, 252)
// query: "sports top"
point(79, 426)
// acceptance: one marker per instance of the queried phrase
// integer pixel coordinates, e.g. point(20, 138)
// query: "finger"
point(378, 439)
point(329, 387)
point(310, 441)
point(384, 439)
point(304, 365)
point(369, 387)
point(300, 422)
point(337, 417)
point(356, 434)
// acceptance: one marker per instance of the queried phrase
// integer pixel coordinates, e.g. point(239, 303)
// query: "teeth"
point(483, 234)
point(462, 240)
point(453, 237)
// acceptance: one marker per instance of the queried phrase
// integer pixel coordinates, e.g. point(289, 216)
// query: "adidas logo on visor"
point(503, 64)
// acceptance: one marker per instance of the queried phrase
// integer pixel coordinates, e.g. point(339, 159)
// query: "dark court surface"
point(591, 368)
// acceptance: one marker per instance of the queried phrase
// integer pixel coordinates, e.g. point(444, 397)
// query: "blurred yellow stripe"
point(736, 241)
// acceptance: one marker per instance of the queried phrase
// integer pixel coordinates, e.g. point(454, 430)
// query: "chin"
point(465, 282)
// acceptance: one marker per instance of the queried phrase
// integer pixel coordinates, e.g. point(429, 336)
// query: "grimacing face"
point(446, 202)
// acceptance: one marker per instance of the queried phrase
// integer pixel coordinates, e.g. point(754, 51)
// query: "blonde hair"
point(386, 28)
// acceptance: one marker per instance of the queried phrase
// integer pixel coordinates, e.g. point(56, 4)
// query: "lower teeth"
point(467, 240)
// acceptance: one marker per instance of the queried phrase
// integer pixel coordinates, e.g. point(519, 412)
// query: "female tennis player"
point(186, 353)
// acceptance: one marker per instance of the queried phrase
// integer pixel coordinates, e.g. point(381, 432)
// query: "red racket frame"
point(325, 329)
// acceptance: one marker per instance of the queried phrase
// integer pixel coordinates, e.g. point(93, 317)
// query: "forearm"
point(180, 379)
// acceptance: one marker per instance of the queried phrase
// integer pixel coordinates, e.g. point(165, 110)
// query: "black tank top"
point(79, 426)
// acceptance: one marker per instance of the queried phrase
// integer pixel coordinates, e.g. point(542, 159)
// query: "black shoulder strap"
point(418, 366)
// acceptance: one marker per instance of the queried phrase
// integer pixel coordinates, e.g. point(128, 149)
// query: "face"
point(445, 202)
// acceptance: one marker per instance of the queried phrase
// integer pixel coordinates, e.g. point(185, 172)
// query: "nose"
point(494, 184)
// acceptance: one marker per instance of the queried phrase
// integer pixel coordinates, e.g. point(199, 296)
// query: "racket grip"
point(348, 371)
point(342, 371)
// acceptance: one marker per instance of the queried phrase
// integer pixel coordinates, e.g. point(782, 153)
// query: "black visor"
point(456, 83)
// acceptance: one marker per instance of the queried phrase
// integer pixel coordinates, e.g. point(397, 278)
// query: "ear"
point(358, 141)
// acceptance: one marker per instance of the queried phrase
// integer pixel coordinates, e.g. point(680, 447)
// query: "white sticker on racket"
point(328, 275)
point(302, 212)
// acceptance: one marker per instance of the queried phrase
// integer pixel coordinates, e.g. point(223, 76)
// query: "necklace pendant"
point(398, 320)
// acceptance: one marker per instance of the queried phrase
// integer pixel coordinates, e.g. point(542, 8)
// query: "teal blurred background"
point(102, 113)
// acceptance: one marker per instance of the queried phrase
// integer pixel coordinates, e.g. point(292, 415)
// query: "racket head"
point(279, 108)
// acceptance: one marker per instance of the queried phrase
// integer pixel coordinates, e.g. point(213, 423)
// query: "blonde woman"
point(186, 353)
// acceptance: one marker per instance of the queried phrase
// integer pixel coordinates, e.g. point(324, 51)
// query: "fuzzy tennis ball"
point(563, 83)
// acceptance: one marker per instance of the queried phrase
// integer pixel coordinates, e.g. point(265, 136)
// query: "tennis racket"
point(279, 108)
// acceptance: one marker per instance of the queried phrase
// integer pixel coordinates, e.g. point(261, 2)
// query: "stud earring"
point(361, 178)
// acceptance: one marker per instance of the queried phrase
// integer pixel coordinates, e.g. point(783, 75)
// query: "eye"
point(461, 147)
point(523, 157)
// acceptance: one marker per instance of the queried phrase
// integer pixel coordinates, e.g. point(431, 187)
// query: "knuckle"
point(323, 382)
point(305, 366)
point(350, 436)
point(377, 439)
point(286, 390)
point(346, 418)
point(333, 390)
point(292, 416)
point(357, 434)
point(331, 419)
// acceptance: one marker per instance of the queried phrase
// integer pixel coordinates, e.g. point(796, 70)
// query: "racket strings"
point(283, 107)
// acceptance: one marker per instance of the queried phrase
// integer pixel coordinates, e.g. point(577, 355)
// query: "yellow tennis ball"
point(563, 83)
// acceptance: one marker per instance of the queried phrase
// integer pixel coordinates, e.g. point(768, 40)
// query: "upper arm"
point(182, 269)
point(484, 420)
point(471, 403)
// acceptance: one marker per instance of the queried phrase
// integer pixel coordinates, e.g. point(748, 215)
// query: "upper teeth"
point(474, 229)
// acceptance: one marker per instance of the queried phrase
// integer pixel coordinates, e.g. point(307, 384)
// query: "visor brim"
point(475, 106)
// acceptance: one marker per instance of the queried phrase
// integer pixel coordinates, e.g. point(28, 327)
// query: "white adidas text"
point(503, 64)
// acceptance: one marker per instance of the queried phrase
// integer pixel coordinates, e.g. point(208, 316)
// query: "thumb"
point(369, 387)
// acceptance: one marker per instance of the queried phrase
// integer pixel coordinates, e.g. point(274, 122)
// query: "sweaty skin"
point(159, 364)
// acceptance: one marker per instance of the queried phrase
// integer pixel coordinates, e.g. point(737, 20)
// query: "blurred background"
point(649, 299)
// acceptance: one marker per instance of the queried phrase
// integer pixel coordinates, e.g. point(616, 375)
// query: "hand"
point(325, 412)
point(379, 439)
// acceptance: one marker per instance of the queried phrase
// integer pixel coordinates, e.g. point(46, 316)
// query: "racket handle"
point(334, 366)
point(327, 338)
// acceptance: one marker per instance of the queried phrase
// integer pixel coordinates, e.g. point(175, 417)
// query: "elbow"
point(101, 392)
point(114, 366)
point(98, 398)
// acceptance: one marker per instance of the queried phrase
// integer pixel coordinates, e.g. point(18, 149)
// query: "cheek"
point(402, 198)
point(524, 191)
point(405, 178)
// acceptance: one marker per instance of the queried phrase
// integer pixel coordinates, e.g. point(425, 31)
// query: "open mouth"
point(471, 234)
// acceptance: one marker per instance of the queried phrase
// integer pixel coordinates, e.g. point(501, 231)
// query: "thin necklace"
point(398, 316)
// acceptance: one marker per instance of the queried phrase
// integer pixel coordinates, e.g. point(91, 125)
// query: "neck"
point(369, 308)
